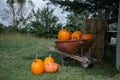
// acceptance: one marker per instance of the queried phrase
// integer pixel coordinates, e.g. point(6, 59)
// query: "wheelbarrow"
point(75, 49)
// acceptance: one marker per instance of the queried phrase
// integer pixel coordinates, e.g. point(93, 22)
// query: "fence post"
point(118, 43)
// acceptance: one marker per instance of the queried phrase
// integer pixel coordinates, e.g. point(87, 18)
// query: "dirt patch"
point(117, 77)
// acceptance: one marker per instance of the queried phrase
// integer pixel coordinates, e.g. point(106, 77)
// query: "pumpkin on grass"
point(64, 34)
point(76, 35)
point(51, 67)
point(37, 66)
point(86, 36)
point(49, 60)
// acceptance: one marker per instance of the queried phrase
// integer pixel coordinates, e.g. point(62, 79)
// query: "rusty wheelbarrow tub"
point(74, 46)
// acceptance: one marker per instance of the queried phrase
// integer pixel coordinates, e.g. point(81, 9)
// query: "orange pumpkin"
point(76, 35)
point(86, 36)
point(49, 60)
point(51, 67)
point(70, 32)
point(37, 66)
point(64, 34)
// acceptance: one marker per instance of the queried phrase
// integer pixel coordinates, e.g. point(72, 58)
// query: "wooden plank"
point(118, 43)
point(78, 58)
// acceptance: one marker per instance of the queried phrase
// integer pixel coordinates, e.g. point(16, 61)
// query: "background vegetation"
point(43, 23)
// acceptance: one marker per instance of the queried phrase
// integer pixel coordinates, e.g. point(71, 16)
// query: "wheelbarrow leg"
point(65, 60)
point(62, 60)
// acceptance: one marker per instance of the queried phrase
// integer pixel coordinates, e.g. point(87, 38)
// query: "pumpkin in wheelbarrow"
point(73, 46)
point(86, 36)
point(76, 35)
point(64, 34)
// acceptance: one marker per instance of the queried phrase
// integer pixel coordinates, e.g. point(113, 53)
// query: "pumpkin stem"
point(50, 54)
point(36, 56)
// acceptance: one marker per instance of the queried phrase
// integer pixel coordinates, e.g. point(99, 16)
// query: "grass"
point(18, 51)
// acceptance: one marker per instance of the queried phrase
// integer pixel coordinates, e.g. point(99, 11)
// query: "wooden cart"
point(75, 49)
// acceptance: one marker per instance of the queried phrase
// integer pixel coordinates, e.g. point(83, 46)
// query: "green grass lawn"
point(18, 51)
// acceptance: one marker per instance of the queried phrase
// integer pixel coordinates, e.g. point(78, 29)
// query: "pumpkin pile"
point(40, 66)
point(64, 34)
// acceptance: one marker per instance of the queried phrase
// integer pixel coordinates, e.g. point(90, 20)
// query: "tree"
point(1, 28)
point(19, 12)
point(75, 20)
point(100, 8)
point(118, 43)
point(45, 22)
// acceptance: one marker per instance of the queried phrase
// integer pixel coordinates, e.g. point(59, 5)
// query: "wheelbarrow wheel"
point(87, 56)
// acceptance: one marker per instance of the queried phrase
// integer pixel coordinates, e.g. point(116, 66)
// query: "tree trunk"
point(96, 27)
point(118, 43)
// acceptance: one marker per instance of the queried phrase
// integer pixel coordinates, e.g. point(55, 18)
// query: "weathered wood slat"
point(78, 58)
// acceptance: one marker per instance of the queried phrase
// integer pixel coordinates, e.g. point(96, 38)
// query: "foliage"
point(98, 8)
point(1, 28)
point(75, 20)
point(45, 24)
